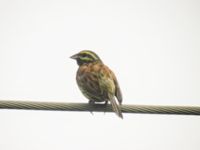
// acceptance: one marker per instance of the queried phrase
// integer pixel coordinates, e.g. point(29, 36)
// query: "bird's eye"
point(84, 55)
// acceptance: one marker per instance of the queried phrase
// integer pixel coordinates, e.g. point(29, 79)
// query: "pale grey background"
point(152, 46)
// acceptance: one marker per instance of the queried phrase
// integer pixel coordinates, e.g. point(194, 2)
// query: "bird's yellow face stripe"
point(86, 59)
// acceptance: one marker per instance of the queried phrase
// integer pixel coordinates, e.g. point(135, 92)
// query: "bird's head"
point(85, 57)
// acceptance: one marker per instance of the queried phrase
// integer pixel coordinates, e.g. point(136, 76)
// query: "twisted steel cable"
point(61, 106)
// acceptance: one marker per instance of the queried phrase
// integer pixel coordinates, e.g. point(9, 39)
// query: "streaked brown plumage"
point(96, 81)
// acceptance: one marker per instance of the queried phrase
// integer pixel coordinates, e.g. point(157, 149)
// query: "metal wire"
point(60, 106)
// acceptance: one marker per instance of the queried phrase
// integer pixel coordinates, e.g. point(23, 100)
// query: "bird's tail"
point(116, 108)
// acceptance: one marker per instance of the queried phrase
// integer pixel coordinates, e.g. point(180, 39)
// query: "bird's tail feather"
point(116, 108)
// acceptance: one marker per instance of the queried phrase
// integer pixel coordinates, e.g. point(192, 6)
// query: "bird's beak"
point(74, 56)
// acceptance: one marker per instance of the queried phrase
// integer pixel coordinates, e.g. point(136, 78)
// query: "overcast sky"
point(152, 46)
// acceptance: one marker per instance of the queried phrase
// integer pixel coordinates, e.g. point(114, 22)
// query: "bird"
point(96, 81)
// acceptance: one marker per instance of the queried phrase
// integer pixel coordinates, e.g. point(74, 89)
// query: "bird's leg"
point(105, 104)
point(92, 103)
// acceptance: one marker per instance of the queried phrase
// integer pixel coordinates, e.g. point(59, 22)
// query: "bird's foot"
point(105, 104)
point(91, 103)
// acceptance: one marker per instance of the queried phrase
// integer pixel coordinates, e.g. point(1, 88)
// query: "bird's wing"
point(118, 92)
point(110, 82)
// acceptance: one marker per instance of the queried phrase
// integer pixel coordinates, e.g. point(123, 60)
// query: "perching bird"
point(96, 81)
